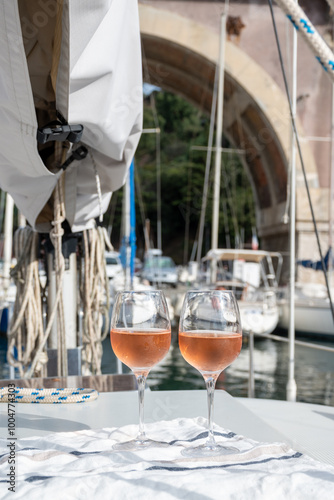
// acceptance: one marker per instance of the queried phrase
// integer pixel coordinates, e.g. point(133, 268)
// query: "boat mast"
point(129, 223)
point(331, 187)
point(291, 389)
point(8, 241)
point(219, 135)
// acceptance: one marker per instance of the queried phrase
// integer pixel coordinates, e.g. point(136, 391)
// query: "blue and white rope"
point(53, 396)
point(314, 40)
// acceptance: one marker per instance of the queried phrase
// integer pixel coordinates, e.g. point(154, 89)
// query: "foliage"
point(182, 175)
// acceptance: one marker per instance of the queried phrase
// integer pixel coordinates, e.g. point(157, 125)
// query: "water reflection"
point(314, 373)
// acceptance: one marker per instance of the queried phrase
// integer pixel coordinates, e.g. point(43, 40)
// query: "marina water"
point(314, 371)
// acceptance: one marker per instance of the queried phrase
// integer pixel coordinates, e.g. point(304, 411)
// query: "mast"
point(331, 186)
point(291, 385)
point(159, 235)
point(128, 250)
point(219, 134)
point(8, 241)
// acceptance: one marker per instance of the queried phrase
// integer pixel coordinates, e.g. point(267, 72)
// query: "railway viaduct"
point(180, 40)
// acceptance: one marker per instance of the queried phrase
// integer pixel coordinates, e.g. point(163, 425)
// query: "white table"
point(306, 428)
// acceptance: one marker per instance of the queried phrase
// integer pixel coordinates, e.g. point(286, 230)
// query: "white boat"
point(253, 275)
point(113, 264)
point(313, 315)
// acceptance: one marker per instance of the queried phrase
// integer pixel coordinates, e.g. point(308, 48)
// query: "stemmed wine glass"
point(140, 337)
point(210, 339)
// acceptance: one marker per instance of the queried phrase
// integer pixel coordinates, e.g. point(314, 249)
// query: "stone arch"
point(180, 55)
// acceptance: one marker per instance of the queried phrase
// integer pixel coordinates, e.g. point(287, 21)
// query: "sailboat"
point(251, 274)
point(306, 308)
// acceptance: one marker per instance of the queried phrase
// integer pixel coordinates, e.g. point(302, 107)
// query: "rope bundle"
point(27, 337)
point(26, 331)
point(95, 299)
point(56, 235)
point(55, 396)
point(302, 23)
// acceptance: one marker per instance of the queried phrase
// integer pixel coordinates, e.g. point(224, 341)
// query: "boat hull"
point(310, 318)
point(258, 319)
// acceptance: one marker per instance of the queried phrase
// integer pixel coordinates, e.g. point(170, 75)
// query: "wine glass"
point(140, 337)
point(210, 339)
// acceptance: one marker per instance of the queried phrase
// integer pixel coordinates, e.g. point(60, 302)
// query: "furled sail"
point(73, 62)
point(316, 265)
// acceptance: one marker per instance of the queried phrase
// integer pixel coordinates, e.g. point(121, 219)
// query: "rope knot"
point(57, 232)
point(42, 359)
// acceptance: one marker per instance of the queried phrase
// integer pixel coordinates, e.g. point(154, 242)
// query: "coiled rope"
point(54, 396)
point(26, 336)
point(314, 40)
point(26, 332)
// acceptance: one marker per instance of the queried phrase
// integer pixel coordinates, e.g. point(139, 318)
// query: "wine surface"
point(140, 349)
point(210, 351)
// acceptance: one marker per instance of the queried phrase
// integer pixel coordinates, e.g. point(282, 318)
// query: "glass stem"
point(210, 388)
point(141, 379)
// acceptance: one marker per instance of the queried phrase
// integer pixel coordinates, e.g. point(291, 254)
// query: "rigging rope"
point(26, 337)
point(300, 154)
point(98, 184)
point(314, 40)
point(95, 299)
point(26, 333)
point(26, 329)
point(56, 235)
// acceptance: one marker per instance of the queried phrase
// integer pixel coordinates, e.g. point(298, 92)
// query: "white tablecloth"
point(82, 465)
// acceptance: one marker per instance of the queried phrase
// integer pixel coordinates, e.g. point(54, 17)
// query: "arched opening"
point(180, 56)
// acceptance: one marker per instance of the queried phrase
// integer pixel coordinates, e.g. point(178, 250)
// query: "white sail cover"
point(97, 83)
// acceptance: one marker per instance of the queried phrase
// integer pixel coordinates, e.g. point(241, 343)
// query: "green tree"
point(182, 175)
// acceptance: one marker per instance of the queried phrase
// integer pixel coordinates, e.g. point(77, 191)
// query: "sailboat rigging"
point(84, 94)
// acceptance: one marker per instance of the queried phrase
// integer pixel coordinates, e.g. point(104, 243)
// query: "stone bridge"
point(180, 50)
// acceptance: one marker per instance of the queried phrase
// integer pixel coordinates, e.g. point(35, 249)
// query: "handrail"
point(297, 342)
point(251, 382)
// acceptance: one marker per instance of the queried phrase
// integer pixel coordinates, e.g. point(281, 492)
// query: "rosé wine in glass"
point(210, 339)
point(209, 351)
point(140, 350)
point(140, 336)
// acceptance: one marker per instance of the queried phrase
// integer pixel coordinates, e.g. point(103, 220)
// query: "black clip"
point(59, 130)
point(56, 131)
point(79, 154)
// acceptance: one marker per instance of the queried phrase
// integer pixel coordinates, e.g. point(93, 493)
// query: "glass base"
point(209, 450)
point(139, 444)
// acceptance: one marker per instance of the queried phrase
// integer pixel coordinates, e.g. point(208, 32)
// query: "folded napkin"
point(82, 465)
